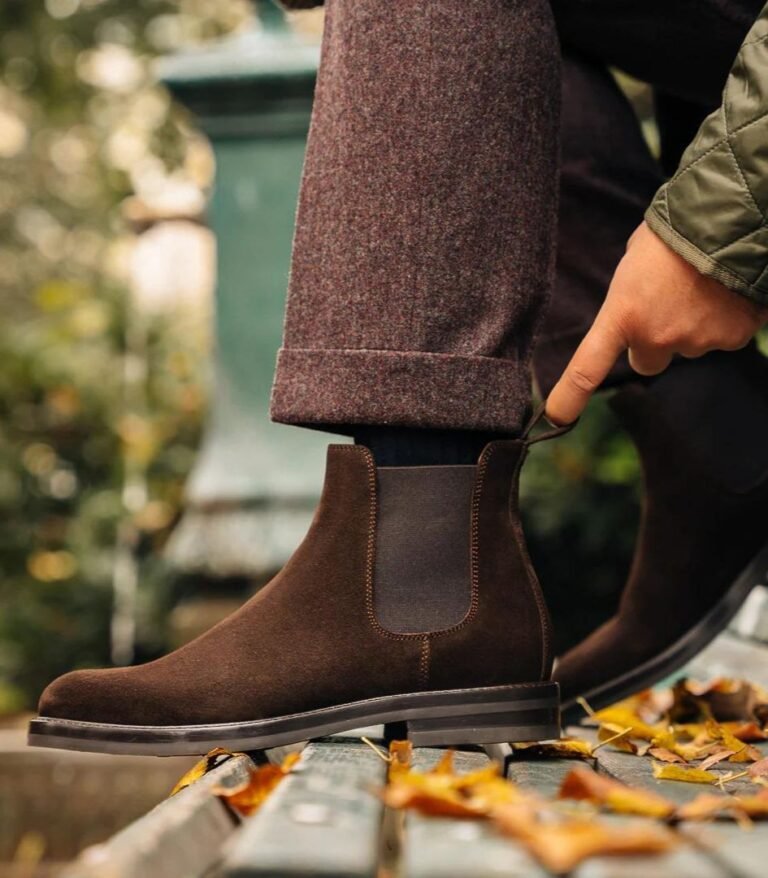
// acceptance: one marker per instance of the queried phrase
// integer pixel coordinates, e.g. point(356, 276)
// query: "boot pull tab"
point(538, 416)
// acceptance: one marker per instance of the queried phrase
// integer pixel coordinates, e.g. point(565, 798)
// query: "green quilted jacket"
point(714, 210)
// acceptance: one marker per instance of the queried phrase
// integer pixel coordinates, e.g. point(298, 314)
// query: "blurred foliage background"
point(106, 273)
point(104, 335)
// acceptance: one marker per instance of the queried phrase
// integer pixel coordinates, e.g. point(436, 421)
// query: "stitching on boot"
point(517, 529)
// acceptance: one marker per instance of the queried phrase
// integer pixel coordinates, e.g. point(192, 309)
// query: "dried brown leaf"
point(715, 758)
point(750, 732)
point(664, 755)
point(758, 769)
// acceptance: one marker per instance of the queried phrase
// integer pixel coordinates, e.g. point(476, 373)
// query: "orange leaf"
point(582, 783)
point(756, 806)
point(750, 732)
point(248, 796)
point(704, 807)
point(560, 847)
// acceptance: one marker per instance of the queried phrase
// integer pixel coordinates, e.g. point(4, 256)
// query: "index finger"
point(588, 368)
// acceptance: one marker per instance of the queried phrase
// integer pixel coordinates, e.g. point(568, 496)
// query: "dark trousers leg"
point(684, 48)
point(607, 179)
point(425, 231)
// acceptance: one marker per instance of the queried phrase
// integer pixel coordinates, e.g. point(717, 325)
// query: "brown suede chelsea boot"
point(702, 434)
point(412, 599)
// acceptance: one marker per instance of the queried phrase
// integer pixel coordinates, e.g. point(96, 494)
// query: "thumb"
point(589, 366)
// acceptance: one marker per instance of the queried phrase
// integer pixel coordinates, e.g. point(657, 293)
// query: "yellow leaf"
point(742, 752)
point(210, 761)
point(624, 716)
point(617, 736)
point(683, 773)
point(565, 748)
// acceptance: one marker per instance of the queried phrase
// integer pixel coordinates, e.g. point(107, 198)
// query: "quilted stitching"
point(721, 228)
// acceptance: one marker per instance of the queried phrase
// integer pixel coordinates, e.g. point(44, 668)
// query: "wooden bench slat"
point(321, 820)
point(444, 848)
point(726, 847)
point(183, 835)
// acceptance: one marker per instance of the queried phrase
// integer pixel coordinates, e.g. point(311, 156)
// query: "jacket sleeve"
point(714, 210)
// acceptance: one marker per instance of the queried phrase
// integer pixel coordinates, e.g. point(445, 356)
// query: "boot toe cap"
point(87, 696)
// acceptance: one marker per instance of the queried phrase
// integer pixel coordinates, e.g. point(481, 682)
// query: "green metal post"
point(255, 484)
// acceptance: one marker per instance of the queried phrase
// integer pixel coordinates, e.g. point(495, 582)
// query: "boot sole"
point(526, 712)
point(679, 653)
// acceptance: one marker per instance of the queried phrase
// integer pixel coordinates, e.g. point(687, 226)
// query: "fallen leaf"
point(565, 748)
point(669, 740)
point(560, 847)
point(742, 752)
point(616, 736)
point(439, 792)
point(401, 756)
point(585, 784)
point(704, 807)
point(624, 716)
point(683, 773)
point(758, 769)
point(750, 733)
point(211, 760)
point(664, 755)
point(755, 807)
point(715, 757)
point(247, 797)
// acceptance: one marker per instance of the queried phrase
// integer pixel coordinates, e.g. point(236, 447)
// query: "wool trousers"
point(472, 175)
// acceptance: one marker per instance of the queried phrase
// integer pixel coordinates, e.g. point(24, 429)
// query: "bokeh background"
point(107, 291)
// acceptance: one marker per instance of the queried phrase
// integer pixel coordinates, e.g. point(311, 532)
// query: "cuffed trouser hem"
point(334, 389)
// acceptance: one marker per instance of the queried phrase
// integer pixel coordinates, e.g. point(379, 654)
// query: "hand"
point(658, 305)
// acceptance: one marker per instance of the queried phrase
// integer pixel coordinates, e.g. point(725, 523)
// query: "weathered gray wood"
point(724, 846)
point(730, 656)
point(323, 819)
point(686, 861)
point(182, 836)
point(435, 847)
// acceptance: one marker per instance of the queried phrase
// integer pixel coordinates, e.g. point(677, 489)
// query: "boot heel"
point(509, 721)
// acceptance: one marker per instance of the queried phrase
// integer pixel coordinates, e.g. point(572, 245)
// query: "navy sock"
point(407, 446)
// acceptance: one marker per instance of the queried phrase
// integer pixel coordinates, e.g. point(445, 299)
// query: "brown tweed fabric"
point(424, 240)
point(426, 220)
